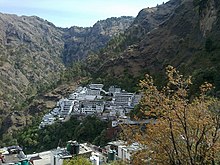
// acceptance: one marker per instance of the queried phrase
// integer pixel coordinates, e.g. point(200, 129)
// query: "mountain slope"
point(33, 53)
point(113, 60)
point(188, 40)
point(150, 18)
point(81, 41)
point(30, 50)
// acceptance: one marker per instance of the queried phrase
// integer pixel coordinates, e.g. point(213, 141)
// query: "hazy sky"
point(66, 13)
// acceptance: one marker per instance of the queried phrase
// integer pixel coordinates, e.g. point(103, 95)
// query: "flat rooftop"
point(44, 158)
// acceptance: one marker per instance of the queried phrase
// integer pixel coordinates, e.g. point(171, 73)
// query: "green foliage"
point(136, 112)
point(35, 140)
point(126, 81)
point(79, 160)
point(112, 50)
point(101, 140)
point(76, 71)
point(90, 128)
point(210, 75)
point(118, 162)
point(8, 140)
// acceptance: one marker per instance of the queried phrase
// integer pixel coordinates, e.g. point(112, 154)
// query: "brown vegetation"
point(185, 131)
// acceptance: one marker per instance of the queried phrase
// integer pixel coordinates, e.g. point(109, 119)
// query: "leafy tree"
point(79, 160)
point(101, 140)
point(90, 128)
point(35, 140)
point(183, 131)
point(118, 162)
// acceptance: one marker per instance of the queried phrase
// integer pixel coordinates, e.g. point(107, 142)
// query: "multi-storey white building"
point(96, 86)
point(66, 107)
point(113, 90)
point(83, 93)
point(91, 107)
point(123, 150)
point(123, 99)
point(60, 154)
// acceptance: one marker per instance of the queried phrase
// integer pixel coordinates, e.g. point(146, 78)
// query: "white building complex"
point(90, 100)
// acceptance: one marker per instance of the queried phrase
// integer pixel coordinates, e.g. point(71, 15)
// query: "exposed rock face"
point(80, 41)
point(150, 18)
point(14, 121)
point(208, 17)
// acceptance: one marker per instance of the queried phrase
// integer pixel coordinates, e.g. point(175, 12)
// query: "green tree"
point(79, 160)
point(34, 139)
point(118, 162)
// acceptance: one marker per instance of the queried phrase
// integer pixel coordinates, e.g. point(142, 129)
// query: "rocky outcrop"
point(150, 18)
point(81, 41)
point(208, 16)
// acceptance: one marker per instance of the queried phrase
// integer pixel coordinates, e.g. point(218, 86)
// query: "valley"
point(41, 64)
